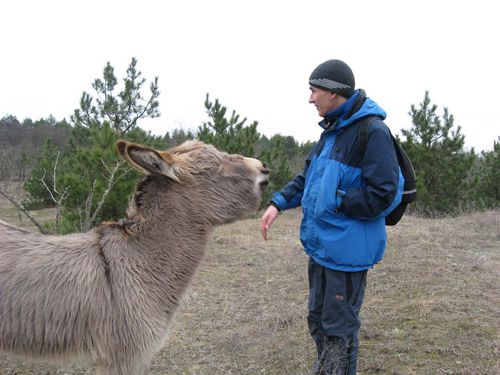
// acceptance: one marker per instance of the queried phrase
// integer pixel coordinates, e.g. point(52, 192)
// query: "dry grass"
point(432, 305)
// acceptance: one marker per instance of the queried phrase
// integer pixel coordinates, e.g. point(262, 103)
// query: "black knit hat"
point(334, 76)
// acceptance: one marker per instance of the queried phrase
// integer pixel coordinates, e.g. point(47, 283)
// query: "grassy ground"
point(431, 307)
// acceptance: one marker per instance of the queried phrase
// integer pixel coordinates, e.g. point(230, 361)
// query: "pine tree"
point(121, 110)
point(279, 167)
point(230, 135)
point(39, 196)
point(436, 148)
point(487, 174)
point(98, 182)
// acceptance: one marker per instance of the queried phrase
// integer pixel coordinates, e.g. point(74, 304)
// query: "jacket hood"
point(355, 108)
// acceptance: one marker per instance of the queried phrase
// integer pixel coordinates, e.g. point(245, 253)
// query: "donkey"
point(108, 295)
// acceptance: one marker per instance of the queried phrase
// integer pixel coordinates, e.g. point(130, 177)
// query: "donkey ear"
point(148, 160)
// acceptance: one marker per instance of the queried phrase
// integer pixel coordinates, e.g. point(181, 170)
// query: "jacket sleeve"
point(291, 195)
point(381, 178)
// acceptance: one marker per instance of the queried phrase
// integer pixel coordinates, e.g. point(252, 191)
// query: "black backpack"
point(410, 187)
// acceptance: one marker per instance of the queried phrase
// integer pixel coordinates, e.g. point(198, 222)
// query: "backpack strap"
point(363, 129)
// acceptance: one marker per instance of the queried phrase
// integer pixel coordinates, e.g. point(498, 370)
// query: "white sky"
point(256, 57)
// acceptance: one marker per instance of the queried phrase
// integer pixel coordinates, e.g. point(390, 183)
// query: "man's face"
point(323, 100)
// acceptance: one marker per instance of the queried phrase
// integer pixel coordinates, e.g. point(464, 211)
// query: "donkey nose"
point(264, 169)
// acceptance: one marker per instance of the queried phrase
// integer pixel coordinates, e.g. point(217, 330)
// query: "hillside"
point(432, 305)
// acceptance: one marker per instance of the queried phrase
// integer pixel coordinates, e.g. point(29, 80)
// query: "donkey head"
point(214, 186)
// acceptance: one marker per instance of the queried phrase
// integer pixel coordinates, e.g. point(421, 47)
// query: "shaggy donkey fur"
point(109, 294)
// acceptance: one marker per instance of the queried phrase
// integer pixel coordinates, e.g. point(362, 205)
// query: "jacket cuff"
point(275, 205)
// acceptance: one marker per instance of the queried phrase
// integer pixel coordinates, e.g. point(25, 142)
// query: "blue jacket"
point(344, 199)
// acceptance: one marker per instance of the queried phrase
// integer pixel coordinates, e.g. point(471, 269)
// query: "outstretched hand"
point(267, 220)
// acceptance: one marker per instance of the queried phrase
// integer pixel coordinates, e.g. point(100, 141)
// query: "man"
point(344, 197)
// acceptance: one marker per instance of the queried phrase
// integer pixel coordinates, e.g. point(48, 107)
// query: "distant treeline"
point(73, 165)
point(21, 143)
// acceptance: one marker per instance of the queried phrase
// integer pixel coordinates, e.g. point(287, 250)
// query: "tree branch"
point(61, 196)
point(88, 208)
point(111, 179)
point(111, 182)
point(21, 208)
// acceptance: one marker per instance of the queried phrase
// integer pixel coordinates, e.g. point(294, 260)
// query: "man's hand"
point(267, 220)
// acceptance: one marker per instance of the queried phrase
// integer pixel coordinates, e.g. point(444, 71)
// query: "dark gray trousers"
point(335, 299)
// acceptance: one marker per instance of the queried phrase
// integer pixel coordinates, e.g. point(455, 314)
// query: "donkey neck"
point(163, 248)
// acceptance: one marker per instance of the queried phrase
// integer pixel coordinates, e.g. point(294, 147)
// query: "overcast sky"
point(256, 57)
